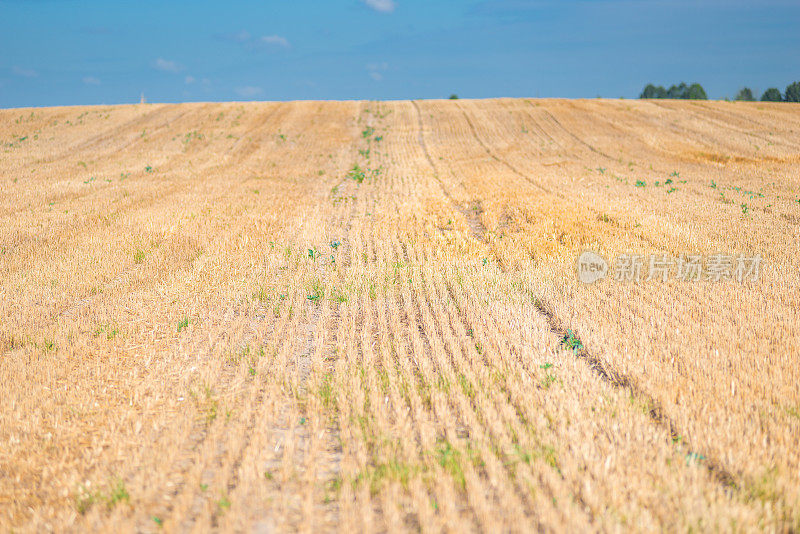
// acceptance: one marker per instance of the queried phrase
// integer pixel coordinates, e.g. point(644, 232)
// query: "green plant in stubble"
point(572, 341)
point(317, 291)
point(224, 502)
point(357, 174)
point(117, 493)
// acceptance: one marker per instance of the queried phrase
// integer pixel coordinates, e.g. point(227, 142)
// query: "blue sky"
point(62, 52)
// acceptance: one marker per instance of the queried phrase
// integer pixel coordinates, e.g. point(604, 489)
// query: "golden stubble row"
point(720, 358)
point(411, 382)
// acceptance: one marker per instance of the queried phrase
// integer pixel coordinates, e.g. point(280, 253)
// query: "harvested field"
point(365, 316)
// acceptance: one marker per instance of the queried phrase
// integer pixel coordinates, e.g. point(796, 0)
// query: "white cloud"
point(166, 66)
point(189, 80)
point(375, 70)
point(384, 6)
point(25, 73)
point(275, 40)
point(91, 80)
point(249, 91)
point(241, 36)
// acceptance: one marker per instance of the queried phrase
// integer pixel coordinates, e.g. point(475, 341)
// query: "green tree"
point(653, 91)
point(680, 91)
point(454, 97)
point(696, 92)
point(677, 91)
point(772, 95)
point(792, 93)
point(745, 95)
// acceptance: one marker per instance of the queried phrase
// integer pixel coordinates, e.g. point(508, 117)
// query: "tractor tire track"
point(606, 372)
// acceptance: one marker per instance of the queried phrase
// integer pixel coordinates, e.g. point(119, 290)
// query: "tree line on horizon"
point(695, 91)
